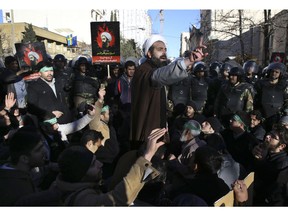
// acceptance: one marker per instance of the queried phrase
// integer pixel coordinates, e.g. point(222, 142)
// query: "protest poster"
point(105, 41)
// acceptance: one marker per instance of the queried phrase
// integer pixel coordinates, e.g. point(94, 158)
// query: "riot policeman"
point(251, 71)
point(85, 86)
point(215, 85)
point(199, 86)
point(233, 96)
point(272, 94)
point(214, 70)
point(64, 74)
point(224, 71)
point(180, 92)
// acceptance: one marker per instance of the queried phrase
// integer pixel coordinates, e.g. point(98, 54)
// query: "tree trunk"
point(240, 37)
point(267, 16)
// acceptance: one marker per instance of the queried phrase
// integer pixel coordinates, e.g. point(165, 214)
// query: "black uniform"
point(180, 91)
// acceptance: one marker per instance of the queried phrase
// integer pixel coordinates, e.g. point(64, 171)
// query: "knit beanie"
point(74, 163)
point(192, 104)
point(215, 123)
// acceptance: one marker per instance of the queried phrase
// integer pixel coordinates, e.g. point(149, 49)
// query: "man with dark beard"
point(148, 96)
point(106, 38)
point(271, 169)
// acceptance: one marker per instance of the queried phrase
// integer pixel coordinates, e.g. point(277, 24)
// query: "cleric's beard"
point(183, 137)
point(158, 62)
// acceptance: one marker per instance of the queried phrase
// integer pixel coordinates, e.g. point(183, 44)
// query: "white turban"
point(34, 54)
point(107, 35)
point(150, 41)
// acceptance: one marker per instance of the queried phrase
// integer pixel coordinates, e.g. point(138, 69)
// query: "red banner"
point(106, 59)
point(30, 54)
point(105, 40)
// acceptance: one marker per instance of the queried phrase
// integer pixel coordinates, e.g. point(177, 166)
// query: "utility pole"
point(161, 13)
point(12, 32)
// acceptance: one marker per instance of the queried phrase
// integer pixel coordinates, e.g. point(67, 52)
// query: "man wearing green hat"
point(46, 95)
point(239, 140)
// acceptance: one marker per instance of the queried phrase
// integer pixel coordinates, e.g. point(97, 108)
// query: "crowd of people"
point(151, 132)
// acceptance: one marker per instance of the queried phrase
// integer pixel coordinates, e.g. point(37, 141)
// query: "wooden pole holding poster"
point(108, 71)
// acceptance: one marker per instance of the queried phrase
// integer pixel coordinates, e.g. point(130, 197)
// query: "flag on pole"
point(74, 41)
point(69, 40)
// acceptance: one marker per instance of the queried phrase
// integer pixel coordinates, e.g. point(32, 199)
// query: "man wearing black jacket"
point(46, 96)
point(271, 169)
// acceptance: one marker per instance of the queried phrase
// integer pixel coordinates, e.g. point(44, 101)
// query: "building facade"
point(54, 43)
point(222, 28)
point(184, 42)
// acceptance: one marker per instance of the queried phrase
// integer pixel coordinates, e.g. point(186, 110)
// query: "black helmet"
point(276, 66)
point(264, 72)
point(252, 65)
point(225, 67)
point(214, 69)
point(199, 66)
point(238, 71)
point(82, 60)
point(59, 57)
point(75, 60)
point(88, 57)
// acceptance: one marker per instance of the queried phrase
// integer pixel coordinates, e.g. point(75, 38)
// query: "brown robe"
point(148, 97)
